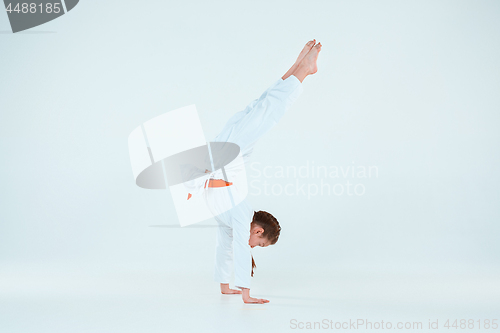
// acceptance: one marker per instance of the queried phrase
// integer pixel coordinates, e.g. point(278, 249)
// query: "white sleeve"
point(242, 251)
point(223, 254)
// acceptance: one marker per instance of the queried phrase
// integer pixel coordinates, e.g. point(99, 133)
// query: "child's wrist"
point(245, 293)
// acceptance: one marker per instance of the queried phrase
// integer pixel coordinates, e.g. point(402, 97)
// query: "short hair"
point(270, 225)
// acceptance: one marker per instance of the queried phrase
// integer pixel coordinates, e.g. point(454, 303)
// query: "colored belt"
point(214, 183)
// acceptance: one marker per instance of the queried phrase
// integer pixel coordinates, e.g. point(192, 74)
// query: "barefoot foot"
point(301, 56)
point(311, 58)
point(224, 289)
point(231, 292)
point(308, 65)
point(305, 50)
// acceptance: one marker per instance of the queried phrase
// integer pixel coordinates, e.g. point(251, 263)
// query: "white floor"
point(92, 298)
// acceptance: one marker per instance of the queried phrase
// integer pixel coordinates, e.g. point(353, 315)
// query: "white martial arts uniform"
point(245, 128)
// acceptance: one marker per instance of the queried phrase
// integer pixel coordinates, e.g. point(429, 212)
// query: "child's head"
point(264, 231)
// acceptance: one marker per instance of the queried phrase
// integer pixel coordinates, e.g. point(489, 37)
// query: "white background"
point(408, 86)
